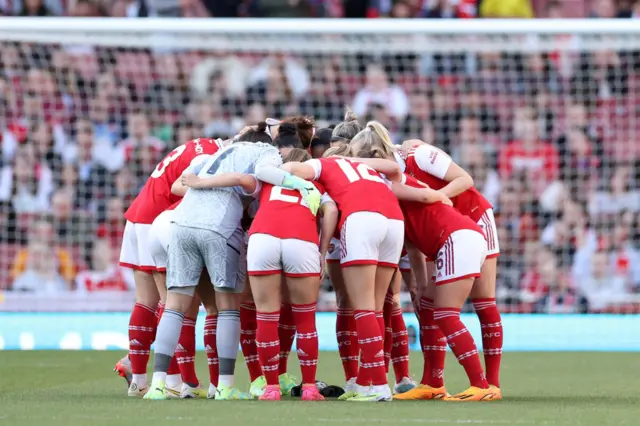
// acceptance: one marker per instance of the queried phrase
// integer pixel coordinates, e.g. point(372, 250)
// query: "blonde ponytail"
point(342, 150)
point(374, 137)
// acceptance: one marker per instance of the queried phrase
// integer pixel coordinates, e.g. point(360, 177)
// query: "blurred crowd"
point(551, 139)
point(326, 8)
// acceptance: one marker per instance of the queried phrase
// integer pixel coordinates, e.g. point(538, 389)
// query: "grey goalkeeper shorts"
point(192, 249)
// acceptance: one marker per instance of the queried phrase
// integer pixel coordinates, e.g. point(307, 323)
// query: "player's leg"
point(286, 335)
point(399, 338)
point(223, 262)
point(457, 265)
point(301, 264)
point(186, 263)
point(208, 297)
point(186, 354)
point(483, 296)
point(361, 237)
point(266, 295)
point(143, 322)
point(346, 333)
point(248, 327)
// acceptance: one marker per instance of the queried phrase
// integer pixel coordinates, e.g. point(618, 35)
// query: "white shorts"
point(461, 257)
point(333, 254)
point(404, 264)
point(368, 238)
point(488, 225)
point(135, 253)
point(159, 237)
point(268, 255)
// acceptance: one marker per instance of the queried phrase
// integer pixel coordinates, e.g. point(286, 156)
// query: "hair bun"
point(350, 115)
point(262, 126)
point(287, 129)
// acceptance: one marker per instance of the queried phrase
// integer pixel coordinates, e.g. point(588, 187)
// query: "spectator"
point(84, 8)
point(470, 136)
point(419, 115)
point(140, 150)
point(112, 226)
point(566, 233)
point(472, 104)
point(562, 298)
point(93, 177)
point(443, 118)
point(25, 183)
point(554, 10)
point(602, 9)
point(106, 131)
point(540, 276)
point(538, 159)
point(184, 131)
point(618, 195)
point(538, 74)
point(283, 8)
point(577, 118)
point(71, 228)
point(170, 90)
point(47, 148)
point(41, 275)
point(506, 9)
point(450, 9)
point(41, 234)
point(278, 84)
point(474, 160)
point(599, 75)
point(378, 91)
point(602, 287)
point(35, 8)
point(327, 94)
point(105, 274)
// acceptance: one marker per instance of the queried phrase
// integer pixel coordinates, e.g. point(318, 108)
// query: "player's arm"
point(301, 170)
point(439, 164)
point(424, 195)
point(390, 169)
point(177, 188)
point(328, 223)
point(418, 264)
point(224, 180)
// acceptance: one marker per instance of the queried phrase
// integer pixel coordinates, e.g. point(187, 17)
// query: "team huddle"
point(247, 227)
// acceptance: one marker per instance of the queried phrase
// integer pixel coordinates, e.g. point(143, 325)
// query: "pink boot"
point(271, 393)
point(311, 393)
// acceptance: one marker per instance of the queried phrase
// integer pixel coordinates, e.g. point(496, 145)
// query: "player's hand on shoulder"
point(409, 145)
point(190, 180)
point(444, 199)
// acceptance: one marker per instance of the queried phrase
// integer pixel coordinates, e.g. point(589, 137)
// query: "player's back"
point(355, 187)
point(220, 209)
point(283, 213)
point(155, 196)
point(428, 226)
point(470, 202)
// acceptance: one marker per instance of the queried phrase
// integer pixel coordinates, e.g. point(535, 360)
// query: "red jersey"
point(543, 160)
point(427, 226)
point(284, 214)
point(155, 197)
point(355, 187)
point(429, 164)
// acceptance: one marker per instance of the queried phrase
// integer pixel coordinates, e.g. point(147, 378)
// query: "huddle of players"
point(374, 199)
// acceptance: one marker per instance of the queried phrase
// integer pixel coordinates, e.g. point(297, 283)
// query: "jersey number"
point(361, 171)
point(277, 195)
point(162, 166)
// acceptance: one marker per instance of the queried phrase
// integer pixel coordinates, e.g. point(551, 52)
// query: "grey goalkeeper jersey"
point(220, 209)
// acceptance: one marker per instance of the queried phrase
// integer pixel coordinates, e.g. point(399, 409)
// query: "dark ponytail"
point(288, 136)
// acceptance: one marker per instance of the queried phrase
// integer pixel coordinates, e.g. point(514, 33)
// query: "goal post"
point(543, 113)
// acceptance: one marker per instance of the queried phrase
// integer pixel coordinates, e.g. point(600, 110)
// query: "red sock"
point(210, 346)
point(307, 340)
point(248, 339)
point(434, 346)
point(462, 344)
point(492, 336)
point(387, 332)
point(186, 352)
point(400, 348)
point(347, 337)
point(371, 349)
point(268, 345)
point(142, 333)
point(286, 334)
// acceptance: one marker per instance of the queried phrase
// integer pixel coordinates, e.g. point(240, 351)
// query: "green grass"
point(78, 388)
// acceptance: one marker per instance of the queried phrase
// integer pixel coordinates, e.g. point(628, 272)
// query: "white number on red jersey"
point(361, 171)
point(277, 195)
point(162, 166)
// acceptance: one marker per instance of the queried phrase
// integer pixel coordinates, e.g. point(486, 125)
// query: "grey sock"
point(167, 339)
point(228, 339)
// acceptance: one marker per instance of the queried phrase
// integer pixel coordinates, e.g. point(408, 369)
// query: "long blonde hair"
point(343, 150)
point(374, 138)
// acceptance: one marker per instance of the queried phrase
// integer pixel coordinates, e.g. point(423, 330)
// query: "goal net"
point(543, 114)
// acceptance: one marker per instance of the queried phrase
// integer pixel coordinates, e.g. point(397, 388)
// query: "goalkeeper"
point(206, 232)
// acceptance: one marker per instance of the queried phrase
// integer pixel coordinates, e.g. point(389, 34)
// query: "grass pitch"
point(78, 388)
